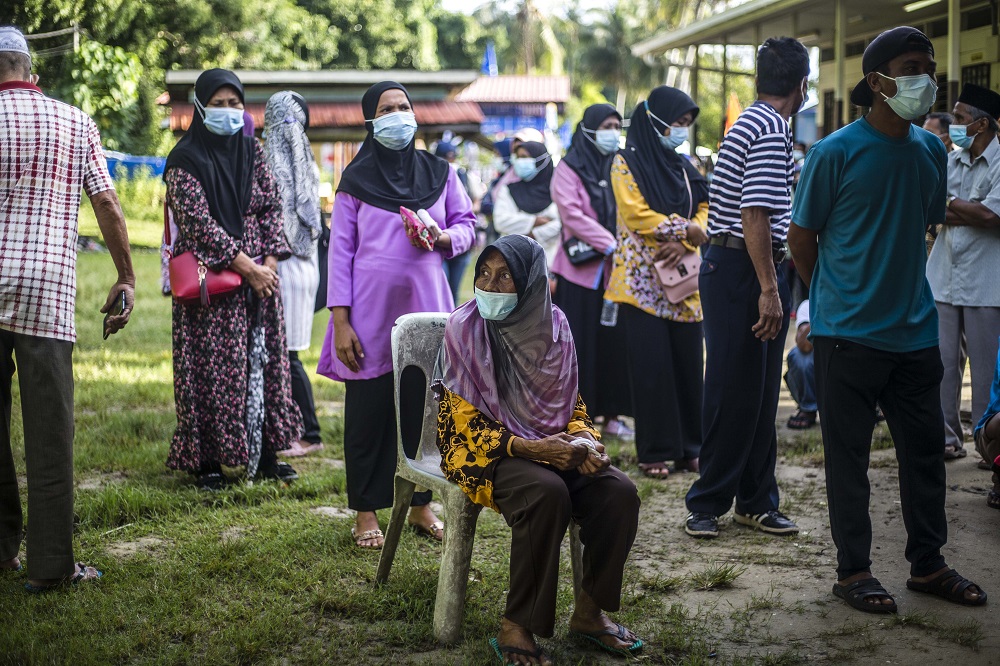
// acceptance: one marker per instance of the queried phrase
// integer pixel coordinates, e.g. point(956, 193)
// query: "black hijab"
point(593, 167)
point(387, 178)
point(223, 165)
point(659, 171)
point(533, 196)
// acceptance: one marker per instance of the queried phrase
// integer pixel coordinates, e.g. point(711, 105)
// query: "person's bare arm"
point(804, 244)
point(111, 221)
point(757, 234)
point(962, 213)
point(802, 339)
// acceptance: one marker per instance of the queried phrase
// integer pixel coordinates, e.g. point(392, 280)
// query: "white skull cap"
point(12, 40)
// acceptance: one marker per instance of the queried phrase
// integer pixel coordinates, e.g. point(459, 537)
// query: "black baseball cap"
point(890, 44)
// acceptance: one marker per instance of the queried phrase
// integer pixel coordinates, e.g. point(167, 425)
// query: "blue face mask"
point(494, 305)
point(525, 168)
point(959, 137)
point(395, 131)
point(605, 140)
point(678, 135)
point(223, 121)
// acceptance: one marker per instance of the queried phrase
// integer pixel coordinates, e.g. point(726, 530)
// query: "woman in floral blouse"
point(232, 386)
point(515, 435)
point(662, 210)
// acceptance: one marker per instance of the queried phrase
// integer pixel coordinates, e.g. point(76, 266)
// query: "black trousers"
point(302, 394)
point(600, 350)
point(742, 382)
point(370, 437)
point(538, 501)
point(850, 379)
point(45, 376)
point(666, 372)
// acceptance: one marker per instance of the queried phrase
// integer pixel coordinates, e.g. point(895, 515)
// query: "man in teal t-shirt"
point(865, 198)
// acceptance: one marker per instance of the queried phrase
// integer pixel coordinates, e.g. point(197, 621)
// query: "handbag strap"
point(166, 223)
point(687, 183)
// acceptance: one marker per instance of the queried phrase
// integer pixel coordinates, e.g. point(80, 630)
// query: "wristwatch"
point(949, 200)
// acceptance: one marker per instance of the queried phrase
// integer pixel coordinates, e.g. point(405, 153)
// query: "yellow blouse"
point(470, 441)
point(640, 231)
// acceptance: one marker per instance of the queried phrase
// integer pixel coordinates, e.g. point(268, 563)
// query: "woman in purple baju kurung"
point(376, 275)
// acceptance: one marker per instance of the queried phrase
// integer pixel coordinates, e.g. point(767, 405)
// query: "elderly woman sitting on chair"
point(516, 437)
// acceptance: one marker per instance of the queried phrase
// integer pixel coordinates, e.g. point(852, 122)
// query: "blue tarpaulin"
point(134, 164)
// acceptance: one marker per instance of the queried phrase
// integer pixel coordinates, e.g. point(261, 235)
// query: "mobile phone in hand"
point(116, 309)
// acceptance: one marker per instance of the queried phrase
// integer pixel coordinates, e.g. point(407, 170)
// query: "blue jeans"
point(801, 379)
point(454, 270)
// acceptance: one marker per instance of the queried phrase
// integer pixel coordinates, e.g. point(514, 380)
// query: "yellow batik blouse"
point(470, 442)
point(640, 231)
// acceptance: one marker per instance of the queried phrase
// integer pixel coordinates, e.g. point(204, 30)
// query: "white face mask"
point(395, 130)
point(677, 136)
point(605, 140)
point(915, 95)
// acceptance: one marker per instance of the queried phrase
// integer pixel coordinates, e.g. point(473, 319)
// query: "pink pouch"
point(415, 228)
point(680, 281)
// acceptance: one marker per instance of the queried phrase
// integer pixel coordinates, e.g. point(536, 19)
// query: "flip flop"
point(992, 500)
point(856, 593)
point(365, 536)
point(500, 649)
point(659, 470)
point(432, 531)
point(950, 586)
point(621, 634)
point(84, 574)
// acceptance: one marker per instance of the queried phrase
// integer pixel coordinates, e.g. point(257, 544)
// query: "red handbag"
point(192, 281)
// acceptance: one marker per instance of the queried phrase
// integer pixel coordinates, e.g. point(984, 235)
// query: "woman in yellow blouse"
point(662, 212)
point(515, 435)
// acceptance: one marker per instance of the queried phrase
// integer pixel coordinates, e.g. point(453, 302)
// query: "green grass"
point(142, 202)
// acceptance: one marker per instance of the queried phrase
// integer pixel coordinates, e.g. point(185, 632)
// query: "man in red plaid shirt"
point(49, 152)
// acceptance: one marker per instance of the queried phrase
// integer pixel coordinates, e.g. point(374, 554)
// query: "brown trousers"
point(45, 376)
point(538, 501)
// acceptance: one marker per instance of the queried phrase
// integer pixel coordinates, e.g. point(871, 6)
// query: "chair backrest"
point(416, 341)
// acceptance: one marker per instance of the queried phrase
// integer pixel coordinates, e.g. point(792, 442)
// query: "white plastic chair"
point(416, 340)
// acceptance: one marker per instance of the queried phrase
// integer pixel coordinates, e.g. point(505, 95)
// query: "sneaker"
point(617, 428)
point(702, 525)
point(772, 522)
point(281, 471)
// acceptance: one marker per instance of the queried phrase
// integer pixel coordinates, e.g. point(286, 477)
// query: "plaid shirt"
point(49, 151)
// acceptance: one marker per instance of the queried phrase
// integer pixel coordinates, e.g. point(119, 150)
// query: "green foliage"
point(104, 83)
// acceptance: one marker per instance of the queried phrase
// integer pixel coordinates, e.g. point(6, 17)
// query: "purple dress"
point(377, 273)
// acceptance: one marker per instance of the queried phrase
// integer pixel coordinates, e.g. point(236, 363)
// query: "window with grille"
point(977, 74)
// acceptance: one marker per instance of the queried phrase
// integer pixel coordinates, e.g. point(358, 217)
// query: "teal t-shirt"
point(871, 197)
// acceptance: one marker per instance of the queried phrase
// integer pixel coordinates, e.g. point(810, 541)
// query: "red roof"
point(348, 114)
point(517, 90)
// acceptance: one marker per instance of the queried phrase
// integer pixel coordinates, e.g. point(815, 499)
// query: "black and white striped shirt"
point(754, 168)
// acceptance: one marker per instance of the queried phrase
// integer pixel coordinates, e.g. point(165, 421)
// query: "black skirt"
point(600, 350)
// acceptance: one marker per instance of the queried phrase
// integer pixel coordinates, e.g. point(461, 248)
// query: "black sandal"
point(950, 586)
point(993, 499)
point(801, 420)
point(857, 592)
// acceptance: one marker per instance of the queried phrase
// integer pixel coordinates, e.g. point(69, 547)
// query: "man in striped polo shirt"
point(746, 302)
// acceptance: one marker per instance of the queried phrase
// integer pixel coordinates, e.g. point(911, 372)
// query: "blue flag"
point(489, 67)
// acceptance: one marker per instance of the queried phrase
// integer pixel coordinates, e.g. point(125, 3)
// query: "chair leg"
point(576, 558)
point(400, 505)
point(453, 579)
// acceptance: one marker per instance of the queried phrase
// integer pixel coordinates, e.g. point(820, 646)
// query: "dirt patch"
point(332, 512)
point(781, 604)
point(98, 481)
point(125, 549)
point(232, 534)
